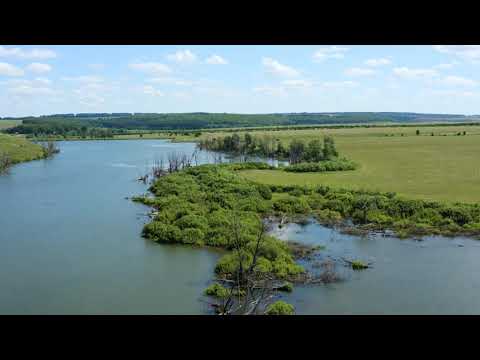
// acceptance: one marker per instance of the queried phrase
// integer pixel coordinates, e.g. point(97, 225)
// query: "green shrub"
point(265, 191)
point(291, 205)
point(217, 290)
point(192, 236)
point(280, 308)
point(322, 166)
point(358, 265)
point(162, 232)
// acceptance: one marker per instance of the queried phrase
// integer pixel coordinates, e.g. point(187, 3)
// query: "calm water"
point(434, 276)
point(70, 243)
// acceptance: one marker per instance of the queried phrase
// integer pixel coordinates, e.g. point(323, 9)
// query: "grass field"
point(436, 167)
point(5, 124)
point(19, 149)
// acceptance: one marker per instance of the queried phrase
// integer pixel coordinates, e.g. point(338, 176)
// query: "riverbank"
point(16, 149)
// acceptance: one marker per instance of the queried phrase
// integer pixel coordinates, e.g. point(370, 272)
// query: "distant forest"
point(104, 124)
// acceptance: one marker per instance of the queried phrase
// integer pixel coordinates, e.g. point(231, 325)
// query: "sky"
point(42, 80)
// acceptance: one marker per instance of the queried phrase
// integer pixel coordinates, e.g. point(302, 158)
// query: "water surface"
point(70, 244)
point(435, 276)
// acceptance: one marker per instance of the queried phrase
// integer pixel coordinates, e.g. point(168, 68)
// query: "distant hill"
point(74, 123)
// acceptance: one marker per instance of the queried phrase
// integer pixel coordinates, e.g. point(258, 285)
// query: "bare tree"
point(250, 291)
point(49, 149)
point(5, 163)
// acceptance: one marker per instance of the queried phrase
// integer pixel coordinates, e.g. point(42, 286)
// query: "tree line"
point(297, 151)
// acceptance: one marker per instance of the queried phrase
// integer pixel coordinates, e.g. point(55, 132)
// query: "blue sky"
point(38, 80)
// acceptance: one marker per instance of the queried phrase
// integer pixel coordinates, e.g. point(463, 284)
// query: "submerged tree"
point(5, 162)
point(49, 149)
point(296, 151)
point(250, 290)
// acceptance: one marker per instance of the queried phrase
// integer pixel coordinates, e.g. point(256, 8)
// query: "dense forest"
point(80, 124)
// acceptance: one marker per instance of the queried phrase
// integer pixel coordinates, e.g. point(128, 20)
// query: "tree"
point(250, 291)
point(329, 150)
point(296, 151)
point(248, 141)
point(314, 151)
point(417, 132)
point(236, 143)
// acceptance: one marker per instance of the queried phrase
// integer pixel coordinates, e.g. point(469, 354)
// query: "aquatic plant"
point(280, 308)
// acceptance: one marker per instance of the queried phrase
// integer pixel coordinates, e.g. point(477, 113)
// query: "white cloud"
point(216, 60)
point(43, 80)
point(300, 83)
point(458, 81)
point(39, 68)
point(455, 93)
point(27, 54)
point(274, 67)
point(182, 56)
point(409, 73)
point(31, 90)
point(444, 66)
point(84, 79)
point(153, 68)
point(171, 81)
point(465, 52)
point(377, 62)
point(270, 90)
point(39, 86)
point(359, 72)
point(340, 84)
point(10, 70)
point(150, 90)
point(91, 100)
point(332, 52)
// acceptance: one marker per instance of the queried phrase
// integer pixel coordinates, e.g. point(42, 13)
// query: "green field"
point(5, 124)
point(429, 167)
point(19, 149)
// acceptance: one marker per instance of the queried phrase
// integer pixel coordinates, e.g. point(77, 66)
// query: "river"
point(70, 244)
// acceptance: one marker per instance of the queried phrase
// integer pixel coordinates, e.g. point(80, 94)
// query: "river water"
point(70, 244)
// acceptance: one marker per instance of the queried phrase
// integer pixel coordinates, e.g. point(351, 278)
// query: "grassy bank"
point(423, 167)
point(19, 149)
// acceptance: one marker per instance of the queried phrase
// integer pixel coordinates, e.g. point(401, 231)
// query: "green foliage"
point(15, 149)
point(291, 205)
point(296, 152)
point(327, 165)
point(264, 191)
point(329, 149)
point(217, 290)
point(358, 265)
point(280, 308)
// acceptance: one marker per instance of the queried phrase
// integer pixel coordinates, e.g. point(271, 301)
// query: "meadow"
point(5, 124)
point(19, 149)
point(442, 167)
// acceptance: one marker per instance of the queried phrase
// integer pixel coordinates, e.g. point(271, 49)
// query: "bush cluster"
point(322, 166)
